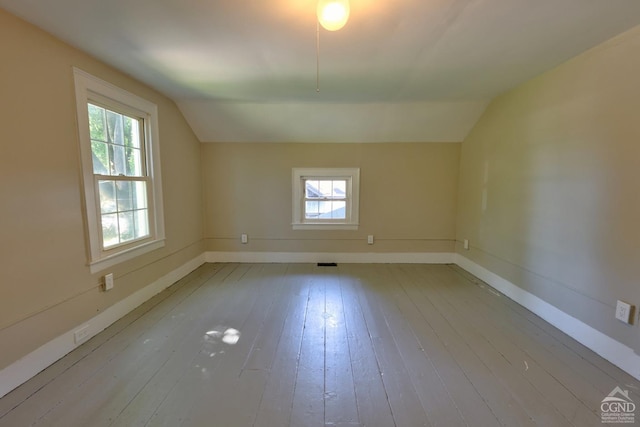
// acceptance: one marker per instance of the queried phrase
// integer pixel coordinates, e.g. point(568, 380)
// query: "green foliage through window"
point(115, 143)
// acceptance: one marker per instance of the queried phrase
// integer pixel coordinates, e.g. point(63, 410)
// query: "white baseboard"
point(340, 257)
point(27, 367)
point(615, 352)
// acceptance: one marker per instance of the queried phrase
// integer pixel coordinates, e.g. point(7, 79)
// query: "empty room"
point(339, 213)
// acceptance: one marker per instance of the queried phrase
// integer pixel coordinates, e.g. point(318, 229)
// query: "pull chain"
point(318, 57)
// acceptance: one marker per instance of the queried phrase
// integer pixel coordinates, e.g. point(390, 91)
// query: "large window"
point(120, 165)
point(325, 198)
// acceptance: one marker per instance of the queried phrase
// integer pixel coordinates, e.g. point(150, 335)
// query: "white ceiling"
point(400, 70)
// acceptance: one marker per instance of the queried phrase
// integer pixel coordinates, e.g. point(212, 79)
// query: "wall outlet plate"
point(465, 244)
point(108, 282)
point(244, 239)
point(623, 311)
point(370, 239)
point(81, 334)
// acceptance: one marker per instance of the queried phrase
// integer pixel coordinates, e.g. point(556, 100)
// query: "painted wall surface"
point(549, 194)
point(407, 196)
point(45, 285)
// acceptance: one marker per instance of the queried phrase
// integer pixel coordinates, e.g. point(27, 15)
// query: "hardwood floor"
point(300, 345)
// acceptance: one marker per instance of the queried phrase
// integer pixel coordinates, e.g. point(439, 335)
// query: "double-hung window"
point(121, 172)
point(325, 198)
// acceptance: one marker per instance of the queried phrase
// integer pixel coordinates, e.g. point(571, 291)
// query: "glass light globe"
point(333, 14)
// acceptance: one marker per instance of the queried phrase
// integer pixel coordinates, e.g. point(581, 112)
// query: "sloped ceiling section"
point(401, 70)
point(332, 122)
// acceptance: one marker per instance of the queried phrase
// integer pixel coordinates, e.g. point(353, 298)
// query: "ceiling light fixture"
point(333, 14)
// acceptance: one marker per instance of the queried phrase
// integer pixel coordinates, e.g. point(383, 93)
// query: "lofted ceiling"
point(399, 71)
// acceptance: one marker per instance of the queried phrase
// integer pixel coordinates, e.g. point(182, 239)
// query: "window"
point(325, 198)
point(121, 172)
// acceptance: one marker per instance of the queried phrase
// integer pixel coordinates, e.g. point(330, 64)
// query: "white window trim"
point(90, 88)
point(352, 175)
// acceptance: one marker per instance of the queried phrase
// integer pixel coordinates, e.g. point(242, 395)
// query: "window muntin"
point(120, 159)
point(325, 198)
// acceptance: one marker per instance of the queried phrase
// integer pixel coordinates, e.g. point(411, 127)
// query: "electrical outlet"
point(623, 311)
point(370, 239)
point(244, 239)
point(108, 282)
point(466, 244)
point(81, 334)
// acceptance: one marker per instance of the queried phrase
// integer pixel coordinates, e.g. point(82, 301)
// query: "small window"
point(121, 174)
point(325, 198)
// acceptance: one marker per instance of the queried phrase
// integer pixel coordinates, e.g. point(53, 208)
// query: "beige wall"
point(407, 196)
point(556, 160)
point(559, 161)
point(45, 285)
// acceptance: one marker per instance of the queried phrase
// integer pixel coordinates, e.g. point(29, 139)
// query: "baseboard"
point(30, 365)
point(339, 257)
point(615, 352)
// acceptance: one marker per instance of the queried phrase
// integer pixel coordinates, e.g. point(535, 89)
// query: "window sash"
point(306, 215)
point(108, 141)
point(148, 202)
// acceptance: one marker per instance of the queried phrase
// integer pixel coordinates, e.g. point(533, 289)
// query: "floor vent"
point(327, 264)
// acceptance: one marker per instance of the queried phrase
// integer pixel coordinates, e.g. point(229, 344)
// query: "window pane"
point(326, 188)
point(311, 188)
point(311, 210)
point(126, 226)
point(134, 132)
point(124, 191)
point(96, 123)
point(118, 160)
point(100, 157)
point(339, 210)
point(133, 150)
point(127, 127)
point(107, 192)
point(139, 195)
point(115, 131)
point(325, 207)
point(134, 162)
point(339, 188)
point(142, 223)
point(110, 230)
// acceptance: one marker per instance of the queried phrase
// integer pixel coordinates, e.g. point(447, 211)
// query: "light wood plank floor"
point(301, 345)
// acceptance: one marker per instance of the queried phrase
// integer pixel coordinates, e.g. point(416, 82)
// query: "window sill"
point(111, 260)
point(324, 226)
